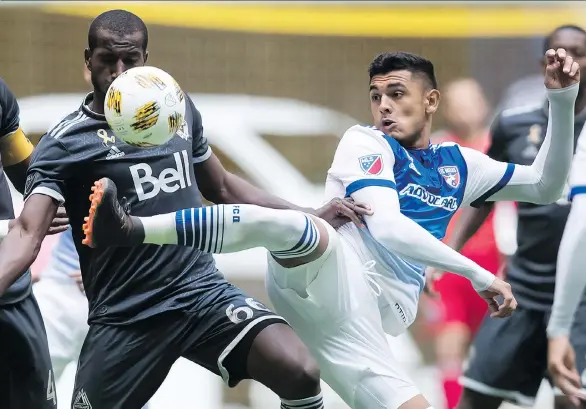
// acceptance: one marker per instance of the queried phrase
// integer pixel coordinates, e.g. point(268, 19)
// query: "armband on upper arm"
point(15, 148)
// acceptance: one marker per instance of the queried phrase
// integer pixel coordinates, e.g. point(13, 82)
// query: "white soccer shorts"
point(340, 322)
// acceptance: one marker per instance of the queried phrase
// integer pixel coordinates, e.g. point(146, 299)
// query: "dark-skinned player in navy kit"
point(151, 304)
point(26, 374)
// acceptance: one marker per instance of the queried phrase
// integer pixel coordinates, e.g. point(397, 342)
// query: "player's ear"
point(146, 56)
point(88, 58)
point(432, 101)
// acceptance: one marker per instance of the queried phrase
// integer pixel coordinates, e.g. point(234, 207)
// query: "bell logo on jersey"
point(371, 164)
point(451, 175)
point(169, 180)
point(449, 203)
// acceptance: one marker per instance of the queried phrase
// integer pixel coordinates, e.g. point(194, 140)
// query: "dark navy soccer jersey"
point(125, 284)
point(9, 123)
point(517, 134)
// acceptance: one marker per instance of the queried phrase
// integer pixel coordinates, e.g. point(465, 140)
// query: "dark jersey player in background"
point(26, 377)
point(509, 357)
point(149, 305)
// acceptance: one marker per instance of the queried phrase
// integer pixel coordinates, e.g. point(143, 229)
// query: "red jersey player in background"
point(465, 113)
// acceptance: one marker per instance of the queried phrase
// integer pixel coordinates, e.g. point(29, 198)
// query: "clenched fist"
point(561, 70)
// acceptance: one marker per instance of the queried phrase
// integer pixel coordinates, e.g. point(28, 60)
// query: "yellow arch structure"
point(351, 19)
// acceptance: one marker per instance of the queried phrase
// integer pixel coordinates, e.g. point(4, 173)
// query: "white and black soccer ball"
point(144, 106)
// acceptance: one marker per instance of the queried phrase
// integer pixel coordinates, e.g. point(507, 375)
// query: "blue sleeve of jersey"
point(500, 184)
point(576, 190)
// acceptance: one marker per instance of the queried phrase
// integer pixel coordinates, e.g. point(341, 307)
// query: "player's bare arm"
point(222, 187)
point(23, 242)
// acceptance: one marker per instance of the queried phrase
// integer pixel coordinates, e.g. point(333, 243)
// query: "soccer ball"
point(144, 106)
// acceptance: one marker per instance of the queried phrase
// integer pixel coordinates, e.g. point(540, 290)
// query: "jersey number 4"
point(51, 395)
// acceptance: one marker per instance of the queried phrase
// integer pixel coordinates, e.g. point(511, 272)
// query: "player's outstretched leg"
point(292, 237)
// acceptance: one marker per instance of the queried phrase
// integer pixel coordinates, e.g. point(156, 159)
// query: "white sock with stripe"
point(315, 402)
point(232, 228)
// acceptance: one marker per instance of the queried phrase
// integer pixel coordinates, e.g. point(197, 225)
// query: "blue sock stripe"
point(308, 243)
point(311, 243)
point(189, 215)
point(180, 227)
point(194, 223)
point(208, 229)
point(212, 229)
point(222, 233)
point(217, 227)
point(306, 246)
point(300, 242)
point(202, 228)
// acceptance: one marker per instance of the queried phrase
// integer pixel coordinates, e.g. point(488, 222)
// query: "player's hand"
point(60, 222)
point(338, 212)
point(561, 363)
point(432, 274)
point(499, 288)
point(561, 70)
point(76, 276)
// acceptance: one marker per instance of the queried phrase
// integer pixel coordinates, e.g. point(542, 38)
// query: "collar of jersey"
point(85, 107)
point(419, 153)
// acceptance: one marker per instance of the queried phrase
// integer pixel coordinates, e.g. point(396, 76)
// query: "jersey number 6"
point(237, 315)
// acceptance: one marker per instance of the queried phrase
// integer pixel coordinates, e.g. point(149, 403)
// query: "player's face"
point(574, 42)
point(112, 56)
point(401, 105)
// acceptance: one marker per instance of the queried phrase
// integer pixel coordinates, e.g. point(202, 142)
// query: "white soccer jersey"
point(415, 193)
point(570, 274)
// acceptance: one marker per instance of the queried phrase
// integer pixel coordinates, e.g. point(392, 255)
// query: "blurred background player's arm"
point(570, 282)
point(570, 273)
point(15, 148)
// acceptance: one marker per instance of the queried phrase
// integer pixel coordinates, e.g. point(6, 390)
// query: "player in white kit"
point(570, 284)
point(341, 291)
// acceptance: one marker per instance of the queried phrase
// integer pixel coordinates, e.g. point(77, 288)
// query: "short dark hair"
point(119, 22)
point(547, 40)
point(397, 61)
